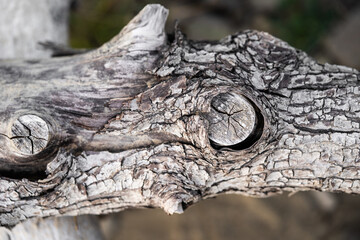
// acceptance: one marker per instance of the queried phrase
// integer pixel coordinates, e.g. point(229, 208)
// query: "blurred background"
point(328, 30)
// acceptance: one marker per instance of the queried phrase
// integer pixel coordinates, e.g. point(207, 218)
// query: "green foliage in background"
point(303, 23)
point(94, 22)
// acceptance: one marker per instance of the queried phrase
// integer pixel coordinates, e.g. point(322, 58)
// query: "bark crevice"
point(130, 126)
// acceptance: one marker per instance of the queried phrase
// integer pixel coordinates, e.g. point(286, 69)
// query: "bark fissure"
point(130, 123)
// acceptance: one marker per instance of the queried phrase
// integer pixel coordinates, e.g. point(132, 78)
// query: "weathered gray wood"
point(232, 119)
point(131, 125)
point(30, 134)
point(32, 22)
point(61, 228)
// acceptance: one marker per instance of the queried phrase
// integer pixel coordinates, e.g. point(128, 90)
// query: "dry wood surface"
point(149, 120)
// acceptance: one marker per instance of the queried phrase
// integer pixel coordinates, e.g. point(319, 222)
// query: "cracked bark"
point(129, 124)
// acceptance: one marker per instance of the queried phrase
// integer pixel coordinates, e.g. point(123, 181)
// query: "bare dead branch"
point(133, 123)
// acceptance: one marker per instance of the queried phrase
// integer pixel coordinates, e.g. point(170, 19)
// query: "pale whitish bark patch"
point(132, 126)
point(30, 134)
point(26, 17)
point(232, 119)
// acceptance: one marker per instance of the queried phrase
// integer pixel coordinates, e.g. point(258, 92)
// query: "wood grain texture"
point(30, 134)
point(232, 119)
point(130, 124)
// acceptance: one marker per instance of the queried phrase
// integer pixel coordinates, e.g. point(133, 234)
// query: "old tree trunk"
point(146, 121)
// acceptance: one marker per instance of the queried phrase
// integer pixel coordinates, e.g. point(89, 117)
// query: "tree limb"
point(131, 124)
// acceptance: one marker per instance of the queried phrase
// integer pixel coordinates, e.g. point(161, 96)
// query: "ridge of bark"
point(129, 126)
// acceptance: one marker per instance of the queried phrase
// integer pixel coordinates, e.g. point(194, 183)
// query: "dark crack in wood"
point(232, 119)
point(30, 134)
point(132, 123)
